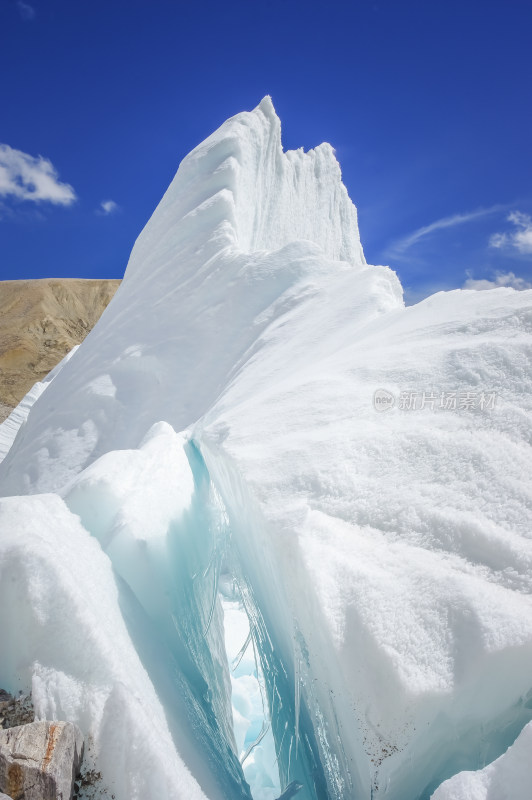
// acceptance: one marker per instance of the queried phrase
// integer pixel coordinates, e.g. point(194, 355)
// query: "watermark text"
point(432, 400)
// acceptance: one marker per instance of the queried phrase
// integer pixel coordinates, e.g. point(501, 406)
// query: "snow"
point(11, 425)
point(140, 491)
point(411, 529)
point(204, 285)
point(219, 421)
point(507, 778)
point(64, 636)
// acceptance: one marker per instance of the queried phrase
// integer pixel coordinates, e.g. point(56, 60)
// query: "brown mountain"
point(40, 321)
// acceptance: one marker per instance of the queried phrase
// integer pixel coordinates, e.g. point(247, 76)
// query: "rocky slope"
point(40, 321)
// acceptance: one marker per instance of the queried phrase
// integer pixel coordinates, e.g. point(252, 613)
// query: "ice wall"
point(205, 287)
point(125, 637)
point(399, 541)
point(507, 778)
point(383, 559)
point(65, 636)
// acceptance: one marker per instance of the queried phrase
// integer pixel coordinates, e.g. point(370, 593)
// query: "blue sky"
point(428, 105)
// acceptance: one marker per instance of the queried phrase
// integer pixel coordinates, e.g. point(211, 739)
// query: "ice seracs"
point(219, 420)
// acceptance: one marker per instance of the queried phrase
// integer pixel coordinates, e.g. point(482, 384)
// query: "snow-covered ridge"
point(218, 427)
point(243, 192)
point(244, 232)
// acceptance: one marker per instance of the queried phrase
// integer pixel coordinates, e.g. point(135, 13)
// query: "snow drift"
point(215, 435)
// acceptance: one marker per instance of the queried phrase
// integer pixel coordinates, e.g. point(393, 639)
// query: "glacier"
point(223, 563)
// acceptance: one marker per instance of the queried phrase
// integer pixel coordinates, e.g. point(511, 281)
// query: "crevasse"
point(219, 421)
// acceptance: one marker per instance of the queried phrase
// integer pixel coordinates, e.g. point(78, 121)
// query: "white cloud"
point(32, 178)
point(108, 207)
point(519, 239)
point(26, 11)
point(399, 247)
point(500, 279)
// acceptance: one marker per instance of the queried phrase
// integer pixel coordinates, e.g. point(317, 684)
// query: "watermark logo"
point(383, 400)
point(432, 400)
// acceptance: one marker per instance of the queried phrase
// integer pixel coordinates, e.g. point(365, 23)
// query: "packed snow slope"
point(220, 419)
point(18, 416)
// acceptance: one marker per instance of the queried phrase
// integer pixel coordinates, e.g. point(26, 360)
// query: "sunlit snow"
point(210, 463)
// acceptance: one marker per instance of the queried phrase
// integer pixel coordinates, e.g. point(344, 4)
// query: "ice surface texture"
point(507, 778)
point(383, 559)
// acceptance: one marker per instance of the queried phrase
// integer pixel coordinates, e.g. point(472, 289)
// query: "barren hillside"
point(40, 321)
